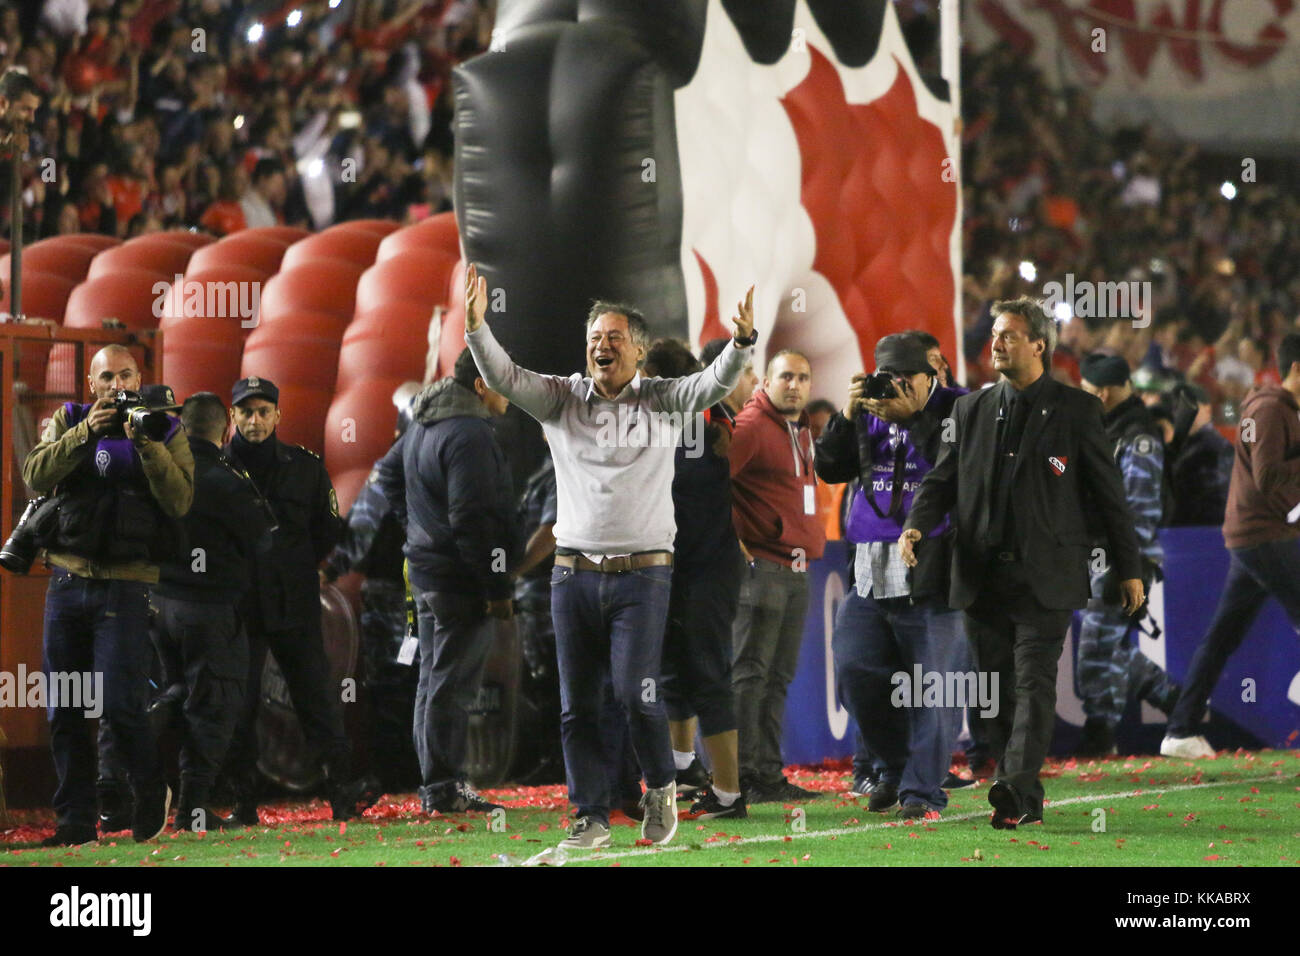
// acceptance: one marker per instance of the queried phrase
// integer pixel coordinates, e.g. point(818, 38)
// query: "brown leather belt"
point(627, 562)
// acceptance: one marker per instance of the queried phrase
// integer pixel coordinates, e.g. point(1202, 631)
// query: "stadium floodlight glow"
point(316, 167)
point(294, 18)
point(1062, 312)
point(1028, 271)
point(255, 33)
point(334, 4)
point(239, 121)
point(1227, 190)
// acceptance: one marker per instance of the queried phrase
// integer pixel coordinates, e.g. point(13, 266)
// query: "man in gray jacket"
point(613, 437)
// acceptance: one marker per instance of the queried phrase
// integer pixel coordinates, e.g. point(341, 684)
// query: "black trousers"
point(300, 654)
point(204, 647)
point(1019, 640)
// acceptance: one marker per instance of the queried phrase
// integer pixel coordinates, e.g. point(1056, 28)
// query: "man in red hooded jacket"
point(774, 505)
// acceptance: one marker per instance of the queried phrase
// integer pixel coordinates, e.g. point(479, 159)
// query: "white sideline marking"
point(598, 857)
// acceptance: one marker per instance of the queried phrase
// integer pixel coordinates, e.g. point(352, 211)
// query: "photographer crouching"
point(122, 471)
point(895, 619)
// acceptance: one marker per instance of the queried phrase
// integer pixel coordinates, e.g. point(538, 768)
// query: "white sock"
point(725, 798)
point(683, 760)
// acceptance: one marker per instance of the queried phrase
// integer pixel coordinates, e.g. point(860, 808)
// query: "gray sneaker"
point(586, 834)
point(660, 805)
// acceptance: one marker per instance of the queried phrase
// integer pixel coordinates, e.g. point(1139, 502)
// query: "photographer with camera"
point(123, 473)
point(895, 619)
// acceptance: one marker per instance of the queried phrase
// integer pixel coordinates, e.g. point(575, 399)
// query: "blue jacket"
point(448, 479)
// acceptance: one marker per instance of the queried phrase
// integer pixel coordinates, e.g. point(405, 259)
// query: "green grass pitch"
point(1232, 810)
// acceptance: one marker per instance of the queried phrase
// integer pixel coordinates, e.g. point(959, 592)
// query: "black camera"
point(20, 550)
point(130, 407)
point(880, 385)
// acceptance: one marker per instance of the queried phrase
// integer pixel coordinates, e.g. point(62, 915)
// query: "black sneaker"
point(461, 799)
point(693, 781)
point(710, 807)
point(246, 814)
point(758, 793)
point(1008, 813)
point(918, 811)
point(862, 787)
point(954, 782)
point(149, 820)
point(351, 799)
point(1098, 740)
point(115, 821)
point(884, 796)
point(70, 834)
point(788, 792)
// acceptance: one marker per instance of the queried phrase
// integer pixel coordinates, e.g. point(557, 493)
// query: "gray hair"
point(636, 323)
point(1042, 327)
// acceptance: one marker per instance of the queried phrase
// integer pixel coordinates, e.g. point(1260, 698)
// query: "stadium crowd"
point(222, 114)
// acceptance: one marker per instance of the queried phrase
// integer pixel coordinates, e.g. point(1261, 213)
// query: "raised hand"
point(744, 322)
point(475, 298)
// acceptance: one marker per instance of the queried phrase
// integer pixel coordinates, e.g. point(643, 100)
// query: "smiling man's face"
point(612, 356)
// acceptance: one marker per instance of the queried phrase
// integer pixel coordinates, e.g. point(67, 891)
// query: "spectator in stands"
point(774, 500)
point(1261, 534)
point(265, 196)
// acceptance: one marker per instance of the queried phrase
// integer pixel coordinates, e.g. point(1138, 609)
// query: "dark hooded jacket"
point(449, 480)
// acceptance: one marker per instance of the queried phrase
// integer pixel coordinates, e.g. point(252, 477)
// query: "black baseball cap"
point(159, 398)
point(903, 353)
point(254, 387)
point(1100, 369)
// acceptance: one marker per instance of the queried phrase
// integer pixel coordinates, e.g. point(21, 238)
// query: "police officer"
point(120, 492)
point(283, 612)
point(1109, 664)
point(197, 629)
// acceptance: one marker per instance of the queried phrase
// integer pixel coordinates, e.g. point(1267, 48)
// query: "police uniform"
point(1110, 665)
point(197, 628)
point(282, 611)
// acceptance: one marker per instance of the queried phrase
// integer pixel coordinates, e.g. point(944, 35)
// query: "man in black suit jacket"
point(1035, 466)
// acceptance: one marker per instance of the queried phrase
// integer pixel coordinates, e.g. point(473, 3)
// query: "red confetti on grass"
point(1212, 856)
point(643, 841)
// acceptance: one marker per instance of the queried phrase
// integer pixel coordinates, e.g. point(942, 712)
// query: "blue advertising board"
point(1255, 703)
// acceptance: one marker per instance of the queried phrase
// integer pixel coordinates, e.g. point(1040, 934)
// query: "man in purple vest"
point(119, 494)
point(897, 646)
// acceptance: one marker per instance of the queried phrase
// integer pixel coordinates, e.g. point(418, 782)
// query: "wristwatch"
point(741, 343)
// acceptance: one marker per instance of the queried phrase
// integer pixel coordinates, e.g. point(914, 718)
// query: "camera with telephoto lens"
point(145, 421)
point(20, 550)
point(881, 385)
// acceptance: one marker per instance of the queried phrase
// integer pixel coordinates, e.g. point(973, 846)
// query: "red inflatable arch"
point(328, 285)
point(245, 249)
point(55, 255)
point(419, 275)
point(436, 232)
point(151, 253)
point(356, 246)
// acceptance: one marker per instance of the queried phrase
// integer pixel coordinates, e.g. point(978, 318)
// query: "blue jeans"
point(610, 627)
point(99, 627)
point(874, 640)
point(1253, 574)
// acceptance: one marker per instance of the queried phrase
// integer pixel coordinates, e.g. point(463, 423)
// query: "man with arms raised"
point(613, 435)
